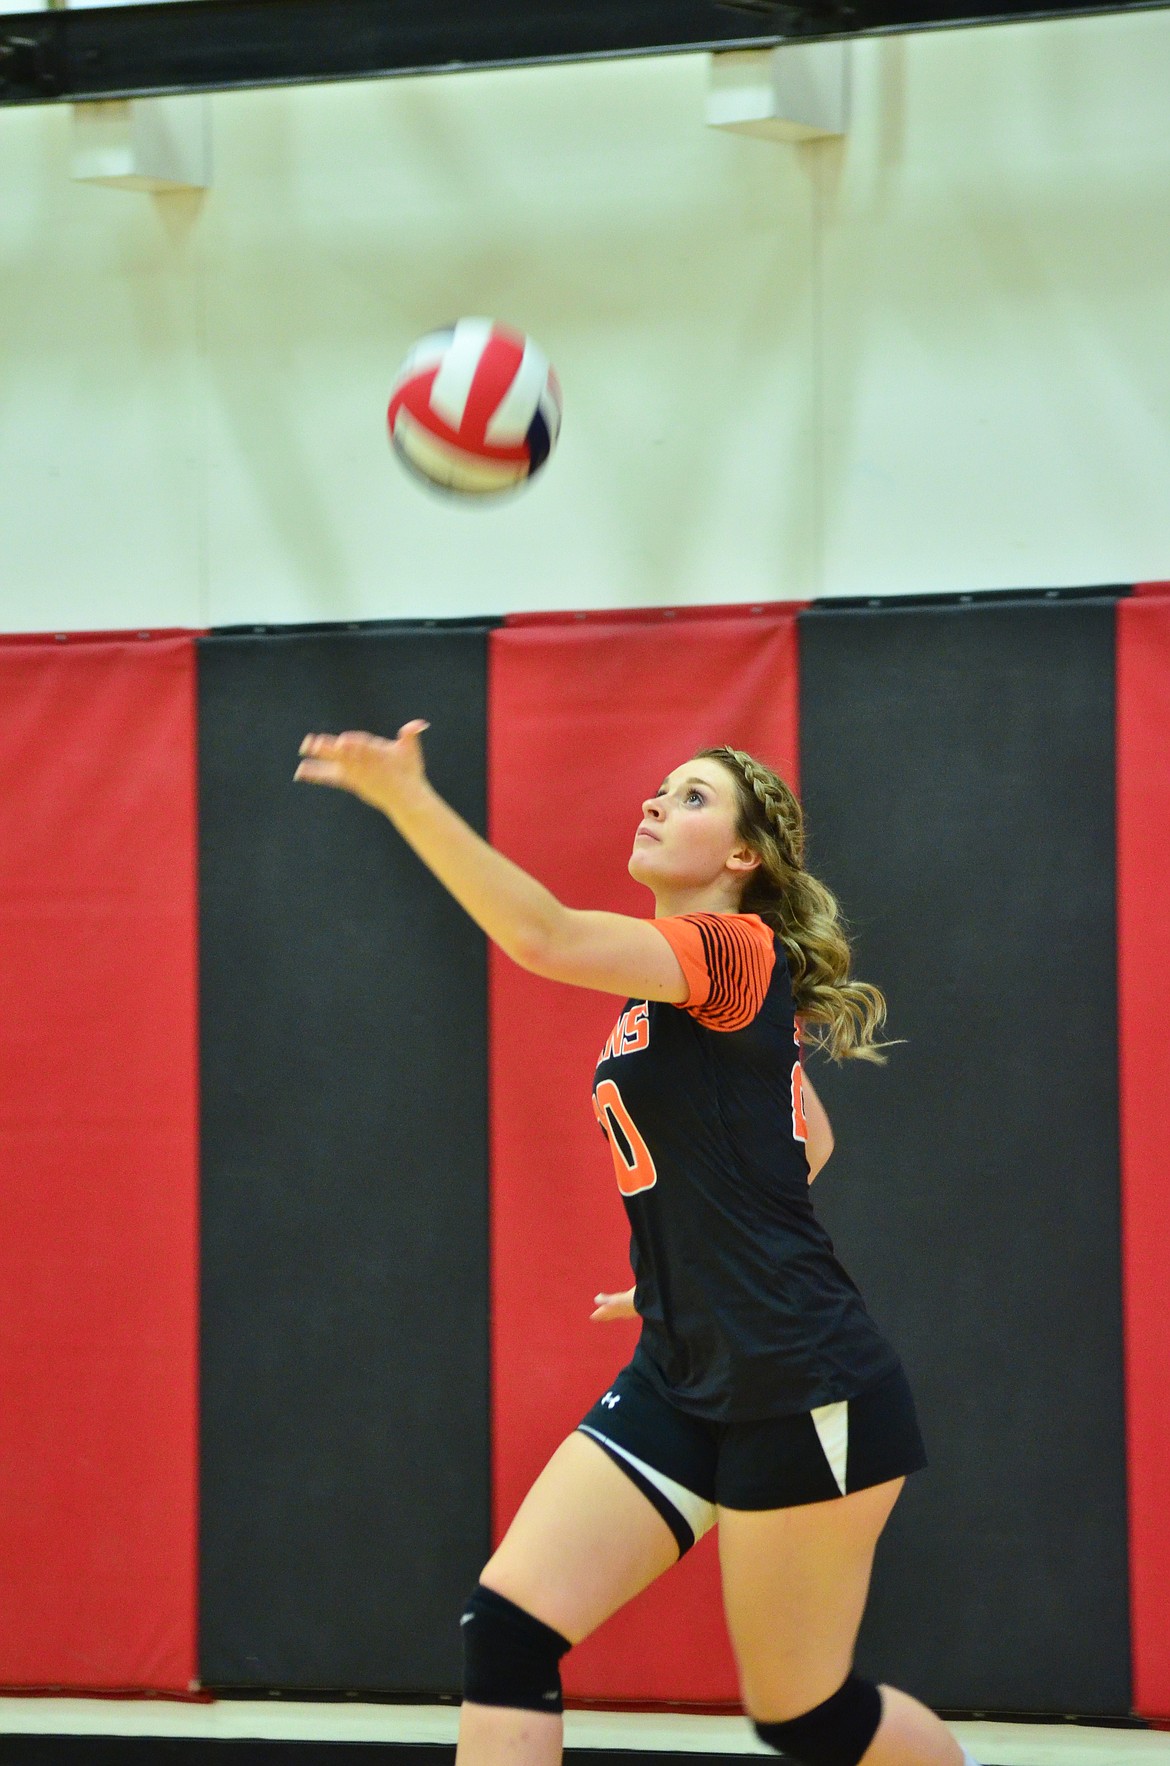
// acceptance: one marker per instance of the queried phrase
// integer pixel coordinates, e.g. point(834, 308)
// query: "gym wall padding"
point(98, 1162)
point(587, 715)
point(1143, 928)
point(345, 1284)
point(960, 771)
point(958, 766)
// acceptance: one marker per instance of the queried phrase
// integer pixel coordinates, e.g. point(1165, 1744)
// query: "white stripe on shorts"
point(831, 1422)
point(698, 1514)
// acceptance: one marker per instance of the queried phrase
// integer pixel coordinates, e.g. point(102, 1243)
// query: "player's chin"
point(641, 865)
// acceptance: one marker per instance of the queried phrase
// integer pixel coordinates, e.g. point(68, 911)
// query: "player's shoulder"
point(728, 960)
point(732, 930)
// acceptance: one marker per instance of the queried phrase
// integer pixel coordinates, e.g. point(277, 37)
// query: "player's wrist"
point(406, 800)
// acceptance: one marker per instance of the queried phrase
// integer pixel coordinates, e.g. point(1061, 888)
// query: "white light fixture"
point(793, 92)
point(144, 143)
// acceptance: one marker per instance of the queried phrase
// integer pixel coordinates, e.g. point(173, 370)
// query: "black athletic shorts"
point(687, 1467)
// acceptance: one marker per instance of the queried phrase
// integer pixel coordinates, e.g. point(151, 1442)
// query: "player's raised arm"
point(614, 953)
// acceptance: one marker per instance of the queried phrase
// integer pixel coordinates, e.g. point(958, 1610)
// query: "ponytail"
point(804, 913)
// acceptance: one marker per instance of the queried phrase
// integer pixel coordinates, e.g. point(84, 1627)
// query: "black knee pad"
point(510, 1658)
point(836, 1733)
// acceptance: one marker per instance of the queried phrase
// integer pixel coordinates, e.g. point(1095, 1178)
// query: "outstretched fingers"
point(322, 762)
point(320, 772)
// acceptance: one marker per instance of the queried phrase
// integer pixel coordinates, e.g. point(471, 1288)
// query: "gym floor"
point(610, 1732)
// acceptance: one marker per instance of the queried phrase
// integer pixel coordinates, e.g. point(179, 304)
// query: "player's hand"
point(613, 1306)
point(379, 771)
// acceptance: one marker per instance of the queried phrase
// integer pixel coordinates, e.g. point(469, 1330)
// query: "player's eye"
point(698, 794)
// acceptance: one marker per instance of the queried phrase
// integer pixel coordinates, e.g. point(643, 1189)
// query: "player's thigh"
point(795, 1582)
point(583, 1542)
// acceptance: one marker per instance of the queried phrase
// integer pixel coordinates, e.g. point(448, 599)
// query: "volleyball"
point(476, 408)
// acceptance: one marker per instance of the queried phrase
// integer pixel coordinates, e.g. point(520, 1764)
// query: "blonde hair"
point(803, 912)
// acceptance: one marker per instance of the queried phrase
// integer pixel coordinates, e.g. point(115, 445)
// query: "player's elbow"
point(534, 946)
point(527, 949)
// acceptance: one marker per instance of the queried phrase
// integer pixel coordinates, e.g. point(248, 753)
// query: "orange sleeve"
point(727, 960)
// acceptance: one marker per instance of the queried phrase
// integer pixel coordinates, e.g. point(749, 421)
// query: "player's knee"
point(509, 1657)
point(836, 1733)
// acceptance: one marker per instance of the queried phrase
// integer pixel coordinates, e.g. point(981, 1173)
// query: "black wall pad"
point(345, 1445)
point(957, 772)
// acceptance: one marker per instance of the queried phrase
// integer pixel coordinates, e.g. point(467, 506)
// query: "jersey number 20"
point(631, 1156)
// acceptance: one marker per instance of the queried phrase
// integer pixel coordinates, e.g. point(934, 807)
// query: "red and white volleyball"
point(476, 408)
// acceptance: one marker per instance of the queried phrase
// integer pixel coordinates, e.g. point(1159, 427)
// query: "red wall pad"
point(1143, 936)
point(586, 715)
point(98, 1170)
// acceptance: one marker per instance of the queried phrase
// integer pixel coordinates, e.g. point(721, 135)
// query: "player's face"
point(688, 835)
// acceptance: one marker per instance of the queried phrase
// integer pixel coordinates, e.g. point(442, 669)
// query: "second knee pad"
point(509, 1657)
point(836, 1733)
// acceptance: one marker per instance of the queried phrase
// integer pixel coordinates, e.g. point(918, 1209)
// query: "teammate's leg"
point(795, 1582)
point(584, 1541)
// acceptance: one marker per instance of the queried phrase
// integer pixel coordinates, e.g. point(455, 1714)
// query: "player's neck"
point(693, 901)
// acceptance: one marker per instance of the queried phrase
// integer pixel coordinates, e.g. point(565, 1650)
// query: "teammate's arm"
point(819, 1144)
point(614, 953)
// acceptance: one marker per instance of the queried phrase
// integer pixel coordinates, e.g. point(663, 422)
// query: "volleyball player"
point(760, 1396)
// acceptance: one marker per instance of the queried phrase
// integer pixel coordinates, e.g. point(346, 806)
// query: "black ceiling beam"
point(209, 45)
point(213, 45)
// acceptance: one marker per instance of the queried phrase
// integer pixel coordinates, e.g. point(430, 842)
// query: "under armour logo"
point(549, 1696)
point(612, 1398)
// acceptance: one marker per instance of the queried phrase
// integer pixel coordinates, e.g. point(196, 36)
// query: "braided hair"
point(803, 912)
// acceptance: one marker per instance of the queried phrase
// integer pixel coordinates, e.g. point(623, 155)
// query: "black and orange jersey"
point(746, 1312)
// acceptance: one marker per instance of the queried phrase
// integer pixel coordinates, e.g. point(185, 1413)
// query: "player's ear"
point(743, 860)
